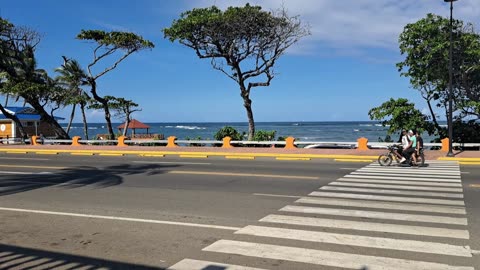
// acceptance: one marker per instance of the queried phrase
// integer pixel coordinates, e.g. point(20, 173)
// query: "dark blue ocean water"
point(304, 131)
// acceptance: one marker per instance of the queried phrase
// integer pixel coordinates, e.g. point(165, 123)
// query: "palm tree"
point(72, 77)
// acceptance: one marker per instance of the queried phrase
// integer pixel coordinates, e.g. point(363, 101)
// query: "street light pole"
point(450, 85)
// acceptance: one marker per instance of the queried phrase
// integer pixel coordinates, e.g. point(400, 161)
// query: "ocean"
point(303, 131)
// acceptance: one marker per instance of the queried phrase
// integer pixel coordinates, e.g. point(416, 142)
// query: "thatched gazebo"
point(134, 125)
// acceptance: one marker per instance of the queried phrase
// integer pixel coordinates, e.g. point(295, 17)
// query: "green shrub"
point(228, 131)
point(264, 135)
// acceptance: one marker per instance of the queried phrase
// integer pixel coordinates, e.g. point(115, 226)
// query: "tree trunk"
point(84, 118)
point(104, 102)
point(434, 118)
point(47, 118)
point(127, 122)
point(7, 97)
point(16, 120)
point(71, 119)
point(247, 103)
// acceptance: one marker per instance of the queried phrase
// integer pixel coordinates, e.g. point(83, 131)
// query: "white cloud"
point(352, 25)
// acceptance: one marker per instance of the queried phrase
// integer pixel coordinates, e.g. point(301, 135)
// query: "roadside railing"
point(289, 143)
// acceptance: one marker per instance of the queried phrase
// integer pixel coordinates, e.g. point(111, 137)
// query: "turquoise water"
point(304, 131)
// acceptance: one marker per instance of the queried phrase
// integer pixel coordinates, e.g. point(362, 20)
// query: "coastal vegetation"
point(244, 43)
point(425, 46)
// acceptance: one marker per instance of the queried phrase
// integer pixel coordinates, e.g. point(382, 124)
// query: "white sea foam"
point(189, 127)
point(365, 125)
point(356, 130)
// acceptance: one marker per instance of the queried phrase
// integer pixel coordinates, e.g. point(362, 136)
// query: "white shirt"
point(405, 142)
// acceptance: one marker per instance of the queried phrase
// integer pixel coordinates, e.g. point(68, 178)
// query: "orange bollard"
point(226, 142)
point(171, 141)
point(34, 140)
point(290, 143)
point(362, 143)
point(445, 143)
point(75, 141)
point(121, 141)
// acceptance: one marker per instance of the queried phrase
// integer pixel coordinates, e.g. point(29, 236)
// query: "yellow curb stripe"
point(474, 185)
point(17, 152)
point(469, 163)
point(353, 160)
point(111, 154)
point(237, 157)
point(151, 155)
point(460, 159)
point(280, 158)
point(193, 156)
point(244, 174)
point(46, 153)
point(81, 154)
point(210, 153)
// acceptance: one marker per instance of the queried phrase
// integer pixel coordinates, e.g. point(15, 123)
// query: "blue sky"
point(346, 66)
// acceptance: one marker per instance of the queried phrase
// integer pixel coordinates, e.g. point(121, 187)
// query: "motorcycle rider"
point(412, 146)
point(405, 142)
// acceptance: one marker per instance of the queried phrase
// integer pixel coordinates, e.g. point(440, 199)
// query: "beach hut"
point(31, 122)
point(134, 125)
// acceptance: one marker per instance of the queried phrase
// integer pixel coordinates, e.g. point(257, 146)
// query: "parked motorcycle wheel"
point(385, 160)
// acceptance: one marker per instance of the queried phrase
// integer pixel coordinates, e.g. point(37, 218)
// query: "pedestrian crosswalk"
point(373, 218)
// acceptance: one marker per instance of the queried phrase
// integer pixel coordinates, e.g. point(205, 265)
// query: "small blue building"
point(31, 122)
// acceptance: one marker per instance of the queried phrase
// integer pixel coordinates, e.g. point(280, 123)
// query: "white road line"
point(400, 182)
point(172, 162)
point(383, 205)
point(359, 241)
point(20, 173)
point(153, 221)
point(386, 198)
point(446, 189)
point(394, 192)
point(408, 176)
point(189, 264)
point(276, 195)
point(374, 215)
point(320, 257)
point(423, 179)
point(415, 172)
point(367, 226)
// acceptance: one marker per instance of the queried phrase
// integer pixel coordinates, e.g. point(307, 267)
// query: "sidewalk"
point(237, 152)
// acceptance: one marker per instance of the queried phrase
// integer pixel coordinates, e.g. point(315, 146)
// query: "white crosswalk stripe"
point(320, 257)
point(404, 187)
point(357, 240)
point(393, 192)
point(374, 215)
point(335, 215)
point(189, 264)
point(384, 205)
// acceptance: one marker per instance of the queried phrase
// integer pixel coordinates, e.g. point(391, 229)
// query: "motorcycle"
point(388, 158)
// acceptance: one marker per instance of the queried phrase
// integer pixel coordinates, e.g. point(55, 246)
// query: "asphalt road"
point(151, 213)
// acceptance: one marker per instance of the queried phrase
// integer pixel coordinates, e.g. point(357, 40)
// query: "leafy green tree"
point(20, 76)
point(244, 43)
point(108, 44)
point(264, 135)
point(124, 109)
point(230, 132)
point(398, 114)
point(425, 45)
point(72, 77)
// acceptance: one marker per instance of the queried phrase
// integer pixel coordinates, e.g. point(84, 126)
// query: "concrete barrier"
point(226, 142)
point(171, 142)
point(290, 143)
point(362, 144)
point(121, 141)
point(75, 141)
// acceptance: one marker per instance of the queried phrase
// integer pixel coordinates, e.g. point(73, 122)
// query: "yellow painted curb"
point(193, 156)
point(474, 185)
point(81, 154)
point(468, 163)
point(132, 152)
point(460, 159)
point(280, 158)
point(17, 152)
point(46, 153)
point(353, 160)
point(111, 154)
point(239, 157)
point(151, 155)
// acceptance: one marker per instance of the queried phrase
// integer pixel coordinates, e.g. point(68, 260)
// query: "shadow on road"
point(14, 257)
point(76, 177)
